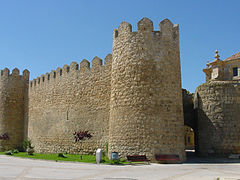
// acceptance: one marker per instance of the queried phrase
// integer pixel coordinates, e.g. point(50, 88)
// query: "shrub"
point(4, 136)
point(62, 155)
point(8, 153)
point(27, 145)
point(81, 135)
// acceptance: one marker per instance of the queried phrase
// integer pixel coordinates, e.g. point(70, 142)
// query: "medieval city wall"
point(146, 111)
point(71, 99)
point(218, 104)
point(13, 107)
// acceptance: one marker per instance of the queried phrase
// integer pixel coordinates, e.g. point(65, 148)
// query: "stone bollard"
point(98, 156)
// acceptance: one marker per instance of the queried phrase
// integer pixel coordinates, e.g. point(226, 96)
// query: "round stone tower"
point(146, 114)
point(13, 108)
point(217, 103)
point(218, 107)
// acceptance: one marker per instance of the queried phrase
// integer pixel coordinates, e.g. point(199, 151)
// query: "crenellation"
point(166, 29)
point(108, 60)
point(96, 64)
point(35, 82)
point(84, 66)
point(66, 69)
point(52, 75)
point(13, 98)
point(15, 72)
point(176, 33)
point(58, 73)
point(38, 80)
point(134, 102)
point(5, 73)
point(47, 75)
point(145, 25)
point(42, 78)
point(74, 67)
point(141, 60)
point(124, 28)
point(26, 74)
point(115, 34)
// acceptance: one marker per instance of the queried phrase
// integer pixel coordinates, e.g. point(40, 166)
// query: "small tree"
point(27, 145)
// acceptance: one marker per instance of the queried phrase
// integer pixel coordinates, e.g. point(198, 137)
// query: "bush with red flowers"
point(81, 135)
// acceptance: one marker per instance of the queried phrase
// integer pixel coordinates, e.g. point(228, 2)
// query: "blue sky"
point(45, 34)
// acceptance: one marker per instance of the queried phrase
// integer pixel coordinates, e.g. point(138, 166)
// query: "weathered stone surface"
point(146, 112)
point(74, 101)
point(13, 107)
point(218, 105)
point(133, 101)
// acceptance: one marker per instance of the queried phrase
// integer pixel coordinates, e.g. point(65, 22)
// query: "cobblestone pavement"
point(27, 169)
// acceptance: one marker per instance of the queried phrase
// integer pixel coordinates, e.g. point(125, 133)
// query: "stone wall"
point(146, 111)
point(71, 100)
point(133, 102)
point(13, 100)
point(218, 105)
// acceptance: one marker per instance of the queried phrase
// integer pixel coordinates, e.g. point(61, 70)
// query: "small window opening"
point(235, 71)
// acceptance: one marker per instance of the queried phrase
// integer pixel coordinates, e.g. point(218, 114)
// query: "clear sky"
point(45, 34)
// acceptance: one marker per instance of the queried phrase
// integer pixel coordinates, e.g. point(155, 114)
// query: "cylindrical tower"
point(218, 108)
point(13, 94)
point(146, 113)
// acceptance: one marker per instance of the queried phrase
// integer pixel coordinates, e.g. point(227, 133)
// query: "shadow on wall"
point(209, 138)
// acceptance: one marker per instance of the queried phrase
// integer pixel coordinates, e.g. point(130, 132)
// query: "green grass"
point(54, 157)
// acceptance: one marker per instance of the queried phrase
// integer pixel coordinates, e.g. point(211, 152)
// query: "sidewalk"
point(28, 169)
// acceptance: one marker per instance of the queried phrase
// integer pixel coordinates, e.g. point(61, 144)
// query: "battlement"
point(5, 74)
point(145, 26)
point(68, 71)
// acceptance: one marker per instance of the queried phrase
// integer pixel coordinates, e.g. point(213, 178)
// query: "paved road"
point(28, 169)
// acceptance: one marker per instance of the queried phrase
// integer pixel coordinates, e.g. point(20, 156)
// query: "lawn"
point(54, 157)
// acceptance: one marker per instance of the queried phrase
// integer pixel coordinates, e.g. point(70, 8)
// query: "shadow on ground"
point(192, 158)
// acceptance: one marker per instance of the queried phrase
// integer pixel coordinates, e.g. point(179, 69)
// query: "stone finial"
point(217, 56)
point(208, 64)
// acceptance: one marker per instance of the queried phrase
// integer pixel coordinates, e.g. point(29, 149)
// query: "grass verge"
point(68, 157)
point(54, 157)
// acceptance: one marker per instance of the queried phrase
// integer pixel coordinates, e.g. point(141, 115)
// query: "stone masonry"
point(133, 102)
point(13, 107)
point(146, 113)
point(217, 103)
